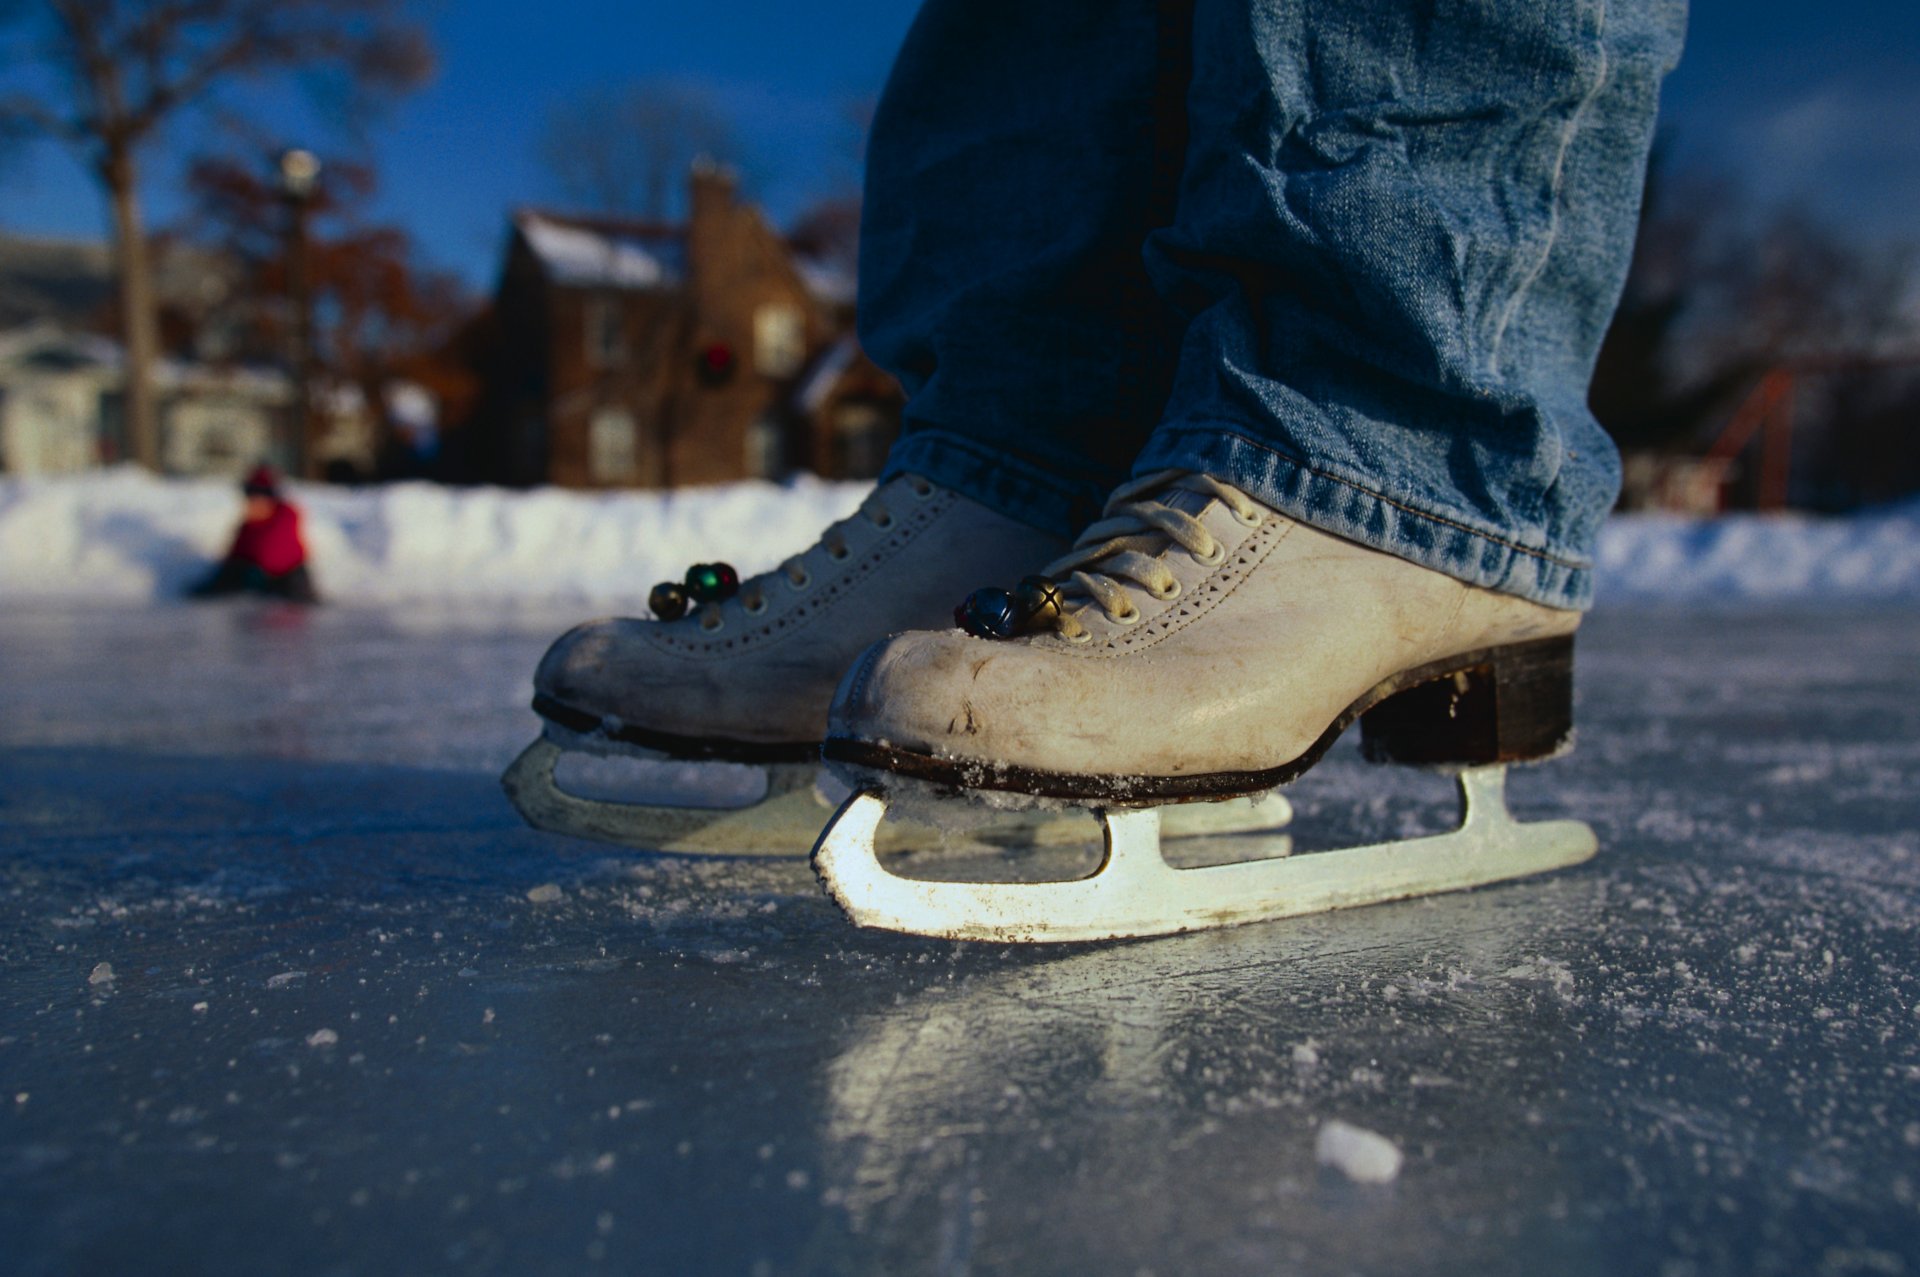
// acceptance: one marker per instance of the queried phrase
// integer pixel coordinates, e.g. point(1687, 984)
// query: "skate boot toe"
point(575, 668)
point(950, 696)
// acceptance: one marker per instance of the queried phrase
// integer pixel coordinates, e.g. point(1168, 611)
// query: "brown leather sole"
point(688, 748)
point(1505, 704)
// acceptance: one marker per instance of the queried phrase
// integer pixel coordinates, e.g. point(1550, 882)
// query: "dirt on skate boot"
point(743, 672)
point(1202, 645)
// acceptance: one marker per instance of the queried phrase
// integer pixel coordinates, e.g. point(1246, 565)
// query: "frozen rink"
point(288, 987)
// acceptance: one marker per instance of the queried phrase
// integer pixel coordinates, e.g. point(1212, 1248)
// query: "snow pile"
point(121, 534)
point(1359, 1154)
point(1874, 555)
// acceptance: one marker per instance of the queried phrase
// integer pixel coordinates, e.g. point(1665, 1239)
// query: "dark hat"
point(262, 481)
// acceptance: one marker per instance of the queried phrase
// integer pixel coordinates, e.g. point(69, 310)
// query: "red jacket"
point(272, 544)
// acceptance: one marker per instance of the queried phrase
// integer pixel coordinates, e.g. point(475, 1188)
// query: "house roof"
point(70, 281)
point(624, 253)
point(818, 381)
point(47, 348)
point(828, 281)
point(604, 253)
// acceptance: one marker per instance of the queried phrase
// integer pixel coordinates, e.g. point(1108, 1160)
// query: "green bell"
point(712, 582)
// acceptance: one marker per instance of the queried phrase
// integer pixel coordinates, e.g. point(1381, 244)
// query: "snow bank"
point(1874, 555)
point(121, 535)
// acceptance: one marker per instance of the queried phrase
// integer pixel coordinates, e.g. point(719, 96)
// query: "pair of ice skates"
point(1191, 652)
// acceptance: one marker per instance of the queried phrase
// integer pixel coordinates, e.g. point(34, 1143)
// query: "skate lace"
point(1126, 547)
point(753, 591)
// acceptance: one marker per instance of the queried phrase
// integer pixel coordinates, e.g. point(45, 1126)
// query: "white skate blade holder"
point(1135, 892)
point(786, 819)
point(790, 810)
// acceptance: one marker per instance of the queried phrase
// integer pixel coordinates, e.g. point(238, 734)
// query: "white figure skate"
point(1206, 646)
point(714, 719)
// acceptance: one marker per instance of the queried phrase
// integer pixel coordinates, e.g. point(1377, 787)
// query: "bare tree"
point(627, 150)
point(124, 69)
point(1721, 291)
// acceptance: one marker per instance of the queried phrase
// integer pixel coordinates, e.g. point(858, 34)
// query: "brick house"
point(637, 354)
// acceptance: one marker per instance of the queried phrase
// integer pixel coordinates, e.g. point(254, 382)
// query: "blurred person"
point(1258, 334)
point(267, 556)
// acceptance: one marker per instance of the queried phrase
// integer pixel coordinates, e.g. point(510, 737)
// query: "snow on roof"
point(819, 380)
point(64, 352)
point(48, 337)
point(825, 280)
point(586, 257)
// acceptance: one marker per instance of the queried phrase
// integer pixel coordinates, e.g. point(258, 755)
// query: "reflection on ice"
point(1083, 1072)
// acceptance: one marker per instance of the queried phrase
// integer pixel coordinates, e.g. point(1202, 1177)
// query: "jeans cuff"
point(1347, 509)
point(1003, 484)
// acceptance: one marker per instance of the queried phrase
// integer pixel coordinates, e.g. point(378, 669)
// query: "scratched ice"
point(359, 1019)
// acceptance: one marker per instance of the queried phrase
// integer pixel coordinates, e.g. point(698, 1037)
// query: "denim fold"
point(1355, 259)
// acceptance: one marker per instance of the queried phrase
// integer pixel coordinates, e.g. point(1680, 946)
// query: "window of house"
point(766, 450)
point(219, 450)
point(606, 332)
point(779, 339)
point(113, 426)
point(859, 441)
point(613, 446)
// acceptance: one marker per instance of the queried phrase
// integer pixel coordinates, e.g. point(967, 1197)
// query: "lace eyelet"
point(1167, 597)
point(841, 555)
point(1254, 522)
point(712, 624)
point(1081, 639)
point(754, 607)
point(921, 489)
point(806, 579)
point(1126, 619)
point(1213, 560)
point(883, 524)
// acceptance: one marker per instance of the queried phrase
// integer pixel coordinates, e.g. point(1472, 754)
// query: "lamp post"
point(299, 181)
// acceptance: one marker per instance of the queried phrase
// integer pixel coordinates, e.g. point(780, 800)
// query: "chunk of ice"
point(1360, 1155)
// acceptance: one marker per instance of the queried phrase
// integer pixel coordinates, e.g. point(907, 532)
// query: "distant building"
point(1673, 482)
point(636, 354)
point(62, 408)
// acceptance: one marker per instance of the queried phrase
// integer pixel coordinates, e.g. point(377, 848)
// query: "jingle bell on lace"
point(711, 582)
point(668, 601)
point(989, 613)
point(1038, 600)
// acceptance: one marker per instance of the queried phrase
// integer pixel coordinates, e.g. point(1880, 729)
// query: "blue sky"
point(1818, 103)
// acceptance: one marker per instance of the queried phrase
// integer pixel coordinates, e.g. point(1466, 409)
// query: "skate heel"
point(1513, 704)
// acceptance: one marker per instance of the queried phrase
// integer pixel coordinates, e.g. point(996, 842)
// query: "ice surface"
point(1363, 1156)
point(123, 534)
point(1697, 1054)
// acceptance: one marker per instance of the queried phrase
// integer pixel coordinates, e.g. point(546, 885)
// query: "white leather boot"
point(1210, 646)
point(1200, 645)
point(748, 679)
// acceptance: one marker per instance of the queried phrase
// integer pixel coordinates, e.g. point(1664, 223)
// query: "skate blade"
point(786, 819)
point(1135, 892)
point(789, 811)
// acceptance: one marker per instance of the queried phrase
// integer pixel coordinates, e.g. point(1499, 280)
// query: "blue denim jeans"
point(1355, 258)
